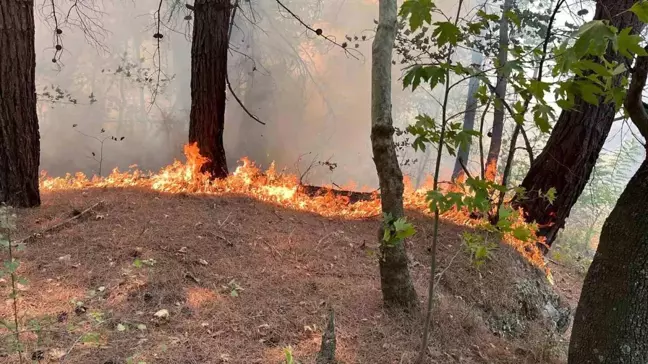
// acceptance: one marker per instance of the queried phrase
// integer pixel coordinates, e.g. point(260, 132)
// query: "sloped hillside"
point(242, 279)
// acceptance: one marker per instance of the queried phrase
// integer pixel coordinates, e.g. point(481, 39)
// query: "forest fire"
point(269, 186)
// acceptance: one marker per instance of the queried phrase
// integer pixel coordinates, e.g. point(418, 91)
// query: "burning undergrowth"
point(273, 187)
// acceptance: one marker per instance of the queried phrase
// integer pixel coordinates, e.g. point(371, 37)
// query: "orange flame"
point(269, 186)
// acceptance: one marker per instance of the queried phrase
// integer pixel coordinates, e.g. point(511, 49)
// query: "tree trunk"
point(500, 93)
point(208, 74)
point(611, 321)
point(19, 135)
point(469, 120)
point(397, 287)
point(574, 145)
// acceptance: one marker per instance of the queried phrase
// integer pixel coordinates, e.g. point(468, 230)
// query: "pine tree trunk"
point(611, 321)
point(208, 76)
point(500, 93)
point(574, 145)
point(396, 283)
point(19, 135)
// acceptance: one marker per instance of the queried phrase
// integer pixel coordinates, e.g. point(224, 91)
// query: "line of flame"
point(269, 186)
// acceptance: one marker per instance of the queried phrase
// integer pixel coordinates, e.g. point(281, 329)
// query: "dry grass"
point(290, 265)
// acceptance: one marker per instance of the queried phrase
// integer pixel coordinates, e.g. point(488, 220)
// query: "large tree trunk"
point(397, 287)
point(208, 76)
point(611, 322)
point(469, 120)
point(19, 136)
point(574, 145)
point(500, 93)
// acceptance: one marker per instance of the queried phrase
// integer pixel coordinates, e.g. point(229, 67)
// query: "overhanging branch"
point(633, 103)
point(319, 32)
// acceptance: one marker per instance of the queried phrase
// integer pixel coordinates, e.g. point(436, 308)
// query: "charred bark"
point(326, 355)
point(19, 134)
point(574, 145)
point(396, 283)
point(611, 321)
point(208, 82)
point(352, 196)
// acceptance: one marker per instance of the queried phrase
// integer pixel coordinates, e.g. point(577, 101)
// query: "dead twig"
point(324, 238)
point(273, 250)
point(71, 347)
point(556, 263)
point(438, 279)
point(57, 226)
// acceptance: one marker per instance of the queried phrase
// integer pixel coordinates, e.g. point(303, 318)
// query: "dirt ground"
point(241, 280)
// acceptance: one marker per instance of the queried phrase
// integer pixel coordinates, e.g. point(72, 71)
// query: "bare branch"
point(633, 103)
point(463, 166)
point(229, 86)
point(319, 32)
point(158, 53)
point(86, 16)
point(481, 140)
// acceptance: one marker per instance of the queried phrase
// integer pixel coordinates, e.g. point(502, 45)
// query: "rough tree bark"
point(500, 93)
point(396, 283)
point(469, 120)
point(574, 145)
point(208, 76)
point(19, 135)
point(611, 321)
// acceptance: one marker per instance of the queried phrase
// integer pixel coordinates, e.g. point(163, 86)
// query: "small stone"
point(162, 314)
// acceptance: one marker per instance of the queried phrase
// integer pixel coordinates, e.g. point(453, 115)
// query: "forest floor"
point(240, 280)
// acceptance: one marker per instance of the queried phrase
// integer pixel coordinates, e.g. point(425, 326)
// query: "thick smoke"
point(313, 96)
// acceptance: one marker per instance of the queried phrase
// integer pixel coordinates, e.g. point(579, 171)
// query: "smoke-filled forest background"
point(313, 97)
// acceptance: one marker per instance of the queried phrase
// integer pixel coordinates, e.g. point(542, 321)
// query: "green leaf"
point(505, 212)
point(538, 89)
point(593, 38)
point(234, 293)
point(629, 44)
point(551, 195)
point(641, 10)
point(11, 266)
point(513, 65)
point(403, 229)
point(522, 233)
point(415, 75)
point(489, 18)
point(435, 75)
point(464, 137)
point(386, 235)
point(446, 33)
point(512, 16)
point(91, 337)
point(620, 68)
point(589, 92)
point(419, 11)
point(137, 263)
point(593, 66)
point(541, 116)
